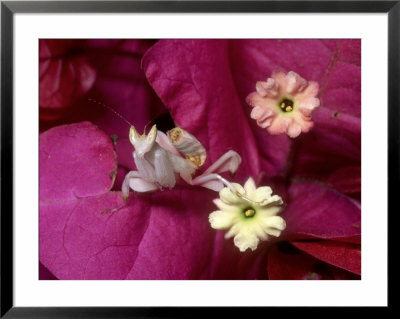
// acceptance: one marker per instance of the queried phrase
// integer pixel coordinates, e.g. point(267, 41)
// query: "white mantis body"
point(159, 162)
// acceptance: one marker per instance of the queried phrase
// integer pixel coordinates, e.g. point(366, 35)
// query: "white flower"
point(248, 221)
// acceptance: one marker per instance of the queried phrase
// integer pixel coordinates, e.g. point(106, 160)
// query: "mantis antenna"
point(119, 115)
point(144, 129)
point(111, 109)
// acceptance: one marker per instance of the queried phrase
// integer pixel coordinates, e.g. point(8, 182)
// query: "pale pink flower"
point(284, 103)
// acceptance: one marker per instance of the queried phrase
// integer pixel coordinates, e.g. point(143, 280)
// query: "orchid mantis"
point(159, 162)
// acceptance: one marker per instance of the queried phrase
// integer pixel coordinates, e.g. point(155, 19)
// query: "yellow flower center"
point(249, 212)
point(286, 105)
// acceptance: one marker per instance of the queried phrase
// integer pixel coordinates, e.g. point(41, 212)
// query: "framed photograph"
point(163, 155)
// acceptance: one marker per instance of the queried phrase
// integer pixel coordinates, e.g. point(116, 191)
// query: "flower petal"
point(76, 160)
point(283, 266)
point(269, 211)
point(275, 222)
point(342, 255)
point(295, 83)
point(321, 212)
point(346, 179)
point(120, 85)
point(262, 193)
point(222, 219)
point(230, 198)
point(228, 262)
point(262, 114)
point(178, 241)
point(78, 240)
point(294, 130)
point(224, 206)
point(268, 88)
point(97, 235)
point(193, 79)
point(250, 187)
point(288, 263)
point(245, 240)
point(335, 140)
point(64, 77)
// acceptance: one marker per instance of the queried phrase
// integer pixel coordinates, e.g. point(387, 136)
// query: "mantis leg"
point(210, 179)
point(163, 140)
point(230, 161)
point(216, 182)
point(135, 181)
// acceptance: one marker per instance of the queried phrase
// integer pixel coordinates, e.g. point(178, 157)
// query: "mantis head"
point(142, 143)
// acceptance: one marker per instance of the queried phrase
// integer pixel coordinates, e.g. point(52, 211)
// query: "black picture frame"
point(9, 8)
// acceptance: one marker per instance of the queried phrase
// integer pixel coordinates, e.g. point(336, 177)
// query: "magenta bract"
point(88, 232)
